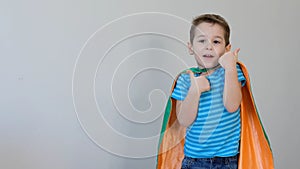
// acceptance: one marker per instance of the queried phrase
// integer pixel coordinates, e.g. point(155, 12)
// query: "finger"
point(204, 77)
point(236, 52)
point(192, 77)
point(190, 73)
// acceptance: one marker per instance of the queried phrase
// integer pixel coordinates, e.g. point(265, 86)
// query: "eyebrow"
point(200, 36)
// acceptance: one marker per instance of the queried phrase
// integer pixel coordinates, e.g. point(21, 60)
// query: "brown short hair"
point(210, 18)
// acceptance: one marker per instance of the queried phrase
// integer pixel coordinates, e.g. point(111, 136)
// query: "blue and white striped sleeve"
point(181, 89)
point(241, 76)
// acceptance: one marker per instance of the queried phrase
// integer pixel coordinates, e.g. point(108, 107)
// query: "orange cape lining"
point(255, 150)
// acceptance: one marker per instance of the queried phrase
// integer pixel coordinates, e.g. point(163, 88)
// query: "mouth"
point(208, 56)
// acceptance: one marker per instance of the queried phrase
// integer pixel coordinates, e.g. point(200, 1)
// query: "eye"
point(217, 42)
point(201, 40)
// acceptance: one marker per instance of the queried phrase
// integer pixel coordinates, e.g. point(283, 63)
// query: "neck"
point(209, 69)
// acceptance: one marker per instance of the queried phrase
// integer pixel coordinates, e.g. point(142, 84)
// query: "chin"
point(208, 66)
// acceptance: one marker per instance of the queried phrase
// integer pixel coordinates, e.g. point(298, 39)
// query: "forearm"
point(232, 91)
point(187, 109)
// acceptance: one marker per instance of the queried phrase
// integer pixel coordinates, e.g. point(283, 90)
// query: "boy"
point(206, 101)
point(213, 122)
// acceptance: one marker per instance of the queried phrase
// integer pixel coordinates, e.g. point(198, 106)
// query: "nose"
point(209, 46)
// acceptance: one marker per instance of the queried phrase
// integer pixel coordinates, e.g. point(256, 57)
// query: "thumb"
point(236, 51)
point(190, 73)
point(192, 77)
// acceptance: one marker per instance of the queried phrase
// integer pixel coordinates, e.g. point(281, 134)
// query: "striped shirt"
point(215, 131)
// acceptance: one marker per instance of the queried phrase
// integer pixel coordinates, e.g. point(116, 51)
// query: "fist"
point(198, 84)
point(229, 59)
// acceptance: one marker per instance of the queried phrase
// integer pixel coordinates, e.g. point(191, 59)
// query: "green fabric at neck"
point(198, 70)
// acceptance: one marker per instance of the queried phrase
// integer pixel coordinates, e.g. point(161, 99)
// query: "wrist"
point(230, 69)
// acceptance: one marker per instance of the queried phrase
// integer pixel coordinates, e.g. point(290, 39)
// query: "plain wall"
point(84, 83)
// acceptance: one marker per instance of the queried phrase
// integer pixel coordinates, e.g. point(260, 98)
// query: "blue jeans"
point(210, 163)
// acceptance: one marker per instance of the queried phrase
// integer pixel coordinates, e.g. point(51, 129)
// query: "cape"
point(255, 150)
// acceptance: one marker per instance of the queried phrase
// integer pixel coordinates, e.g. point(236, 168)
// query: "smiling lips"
point(208, 56)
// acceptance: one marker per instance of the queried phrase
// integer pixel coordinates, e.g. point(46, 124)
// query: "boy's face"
point(208, 44)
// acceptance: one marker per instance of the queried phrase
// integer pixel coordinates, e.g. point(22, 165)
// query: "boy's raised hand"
point(229, 59)
point(198, 84)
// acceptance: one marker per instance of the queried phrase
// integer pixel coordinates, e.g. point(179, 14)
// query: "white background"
point(40, 42)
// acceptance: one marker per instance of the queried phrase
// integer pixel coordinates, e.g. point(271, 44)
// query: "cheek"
point(221, 51)
point(198, 48)
point(198, 58)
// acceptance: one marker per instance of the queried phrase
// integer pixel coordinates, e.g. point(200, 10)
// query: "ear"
point(228, 48)
point(190, 48)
